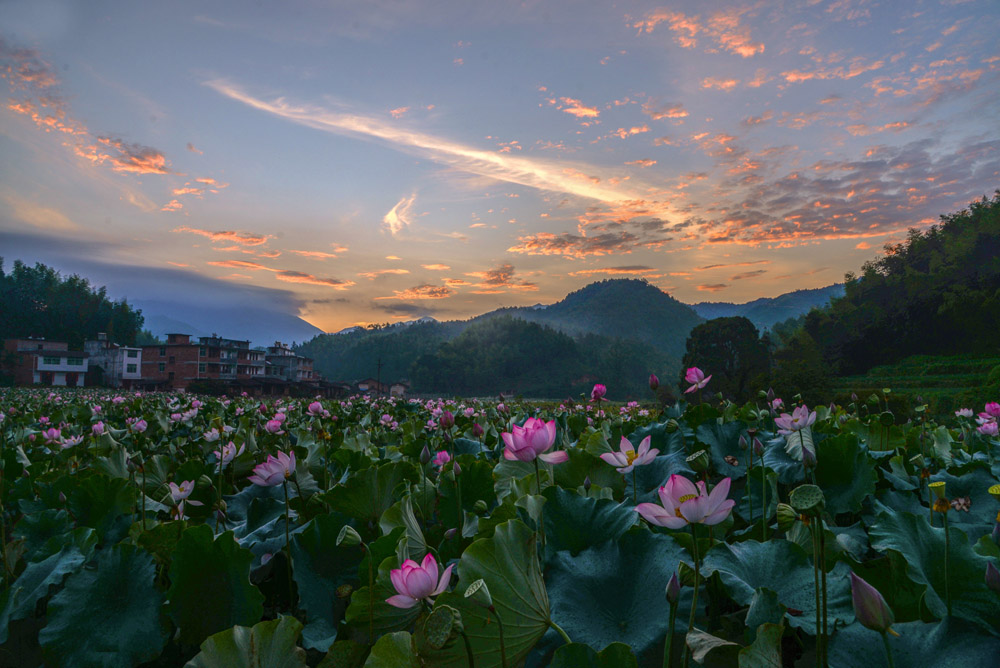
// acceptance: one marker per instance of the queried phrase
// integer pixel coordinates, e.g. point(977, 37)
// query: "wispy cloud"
point(436, 267)
point(712, 287)
point(371, 275)
point(398, 217)
point(614, 271)
point(309, 279)
point(229, 236)
point(421, 292)
point(315, 255)
point(500, 279)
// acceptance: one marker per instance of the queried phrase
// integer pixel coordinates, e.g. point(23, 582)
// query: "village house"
point(41, 362)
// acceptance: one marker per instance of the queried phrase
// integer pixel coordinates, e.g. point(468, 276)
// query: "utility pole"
point(378, 378)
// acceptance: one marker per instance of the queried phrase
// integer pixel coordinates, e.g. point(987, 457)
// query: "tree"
point(730, 349)
point(799, 368)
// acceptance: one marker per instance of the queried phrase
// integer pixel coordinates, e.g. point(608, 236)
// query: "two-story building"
point(283, 363)
point(181, 361)
point(120, 366)
point(41, 362)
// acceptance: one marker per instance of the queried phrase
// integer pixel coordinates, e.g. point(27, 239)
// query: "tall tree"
point(731, 350)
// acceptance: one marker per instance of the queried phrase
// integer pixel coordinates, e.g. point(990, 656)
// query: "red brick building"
point(180, 361)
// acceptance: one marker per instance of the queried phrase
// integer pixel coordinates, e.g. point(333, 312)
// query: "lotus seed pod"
point(479, 507)
point(479, 594)
point(786, 516)
point(995, 492)
point(917, 461)
point(348, 537)
point(937, 488)
point(886, 419)
point(671, 426)
point(807, 500)
point(443, 626)
point(698, 461)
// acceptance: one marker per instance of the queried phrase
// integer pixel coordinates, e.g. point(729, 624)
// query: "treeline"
point(39, 302)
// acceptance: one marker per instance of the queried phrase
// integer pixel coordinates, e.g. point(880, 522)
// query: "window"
point(171, 359)
point(161, 367)
point(201, 351)
point(201, 367)
point(50, 360)
point(163, 351)
point(133, 353)
point(74, 361)
point(130, 368)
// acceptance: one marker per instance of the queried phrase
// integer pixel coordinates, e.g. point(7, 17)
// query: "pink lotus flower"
point(993, 409)
point(684, 502)
point(800, 418)
point(964, 413)
point(139, 426)
point(697, 378)
point(869, 606)
point(531, 441)
point(441, 458)
point(316, 409)
point(70, 441)
point(182, 491)
point(212, 435)
point(52, 436)
point(97, 429)
point(229, 453)
point(627, 458)
point(989, 429)
point(274, 471)
point(273, 427)
point(598, 392)
point(777, 404)
point(415, 583)
point(654, 382)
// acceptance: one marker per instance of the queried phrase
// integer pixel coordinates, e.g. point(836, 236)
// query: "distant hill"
point(262, 326)
point(768, 311)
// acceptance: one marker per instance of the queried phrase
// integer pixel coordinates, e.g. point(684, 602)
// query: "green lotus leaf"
point(574, 523)
point(946, 643)
point(385, 618)
point(923, 547)
point(775, 458)
point(765, 652)
point(104, 504)
point(979, 519)
point(476, 481)
point(786, 569)
point(265, 645)
point(394, 650)
point(369, 493)
point(107, 616)
point(845, 473)
point(210, 586)
point(723, 440)
point(578, 655)
point(36, 580)
point(37, 528)
point(615, 591)
point(320, 567)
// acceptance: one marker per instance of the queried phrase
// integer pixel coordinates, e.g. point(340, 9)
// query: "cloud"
point(576, 246)
point(302, 277)
point(574, 107)
point(229, 236)
point(719, 84)
point(371, 275)
point(398, 112)
point(456, 282)
point(751, 121)
point(645, 162)
point(631, 270)
point(398, 216)
point(748, 274)
point(500, 279)
point(37, 215)
point(734, 264)
point(192, 148)
point(712, 287)
point(240, 264)
point(316, 255)
point(863, 245)
point(436, 267)
point(657, 111)
point(419, 292)
point(527, 171)
point(862, 130)
point(722, 29)
point(856, 67)
point(172, 205)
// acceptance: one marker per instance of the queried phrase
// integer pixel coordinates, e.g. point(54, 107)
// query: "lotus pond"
point(170, 530)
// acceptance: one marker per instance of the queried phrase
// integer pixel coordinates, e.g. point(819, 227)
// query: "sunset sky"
point(364, 162)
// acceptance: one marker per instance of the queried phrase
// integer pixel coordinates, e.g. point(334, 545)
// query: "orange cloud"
point(315, 255)
point(719, 84)
point(172, 205)
point(421, 292)
point(241, 238)
point(309, 279)
point(398, 111)
point(576, 108)
point(371, 275)
point(501, 278)
point(660, 111)
point(645, 162)
point(713, 287)
point(862, 130)
point(723, 28)
point(436, 267)
point(856, 67)
point(399, 216)
point(615, 271)
point(239, 264)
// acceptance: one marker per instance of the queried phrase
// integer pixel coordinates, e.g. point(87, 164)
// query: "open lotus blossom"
point(441, 458)
point(180, 493)
point(415, 583)
point(273, 427)
point(963, 413)
point(992, 409)
point(627, 458)
point(274, 471)
point(52, 436)
point(211, 436)
point(869, 606)
point(70, 441)
point(697, 378)
point(800, 418)
point(229, 453)
point(316, 410)
point(989, 429)
point(533, 440)
point(684, 502)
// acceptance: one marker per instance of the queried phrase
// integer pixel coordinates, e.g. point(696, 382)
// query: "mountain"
point(261, 325)
point(767, 311)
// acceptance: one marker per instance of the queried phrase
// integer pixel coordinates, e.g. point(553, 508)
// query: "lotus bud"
point(348, 537)
point(62, 498)
point(807, 499)
point(450, 533)
point(995, 492)
point(425, 455)
point(699, 461)
point(673, 589)
point(447, 420)
point(758, 447)
point(654, 382)
point(456, 468)
point(786, 516)
point(479, 507)
point(770, 395)
point(477, 430)
point(479, 594)
point(854, 397)
point(937, 488)
point(995, 535)
point(586, 484)
point(869, 606)
point(993, 577)
point(743, 442)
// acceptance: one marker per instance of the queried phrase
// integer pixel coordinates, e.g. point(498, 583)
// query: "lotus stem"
point(694, 598)
point(288, 549)
point(371, 594)
point(947, 549)
point(816, 587)
point(541, 511)
point(749, 492)
point(634, 499)
point(888, 650)
point(468, 650)
point(822, 573)
point(219, 507)
point(458, 498)
point(668, 646)
point(763, 487)
point(3, 534)
point(560, 632)
point(503, 648)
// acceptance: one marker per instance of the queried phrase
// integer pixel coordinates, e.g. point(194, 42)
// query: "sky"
point(370, 162)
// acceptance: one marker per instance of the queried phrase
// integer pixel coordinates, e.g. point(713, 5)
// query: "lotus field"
point(171, 530)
